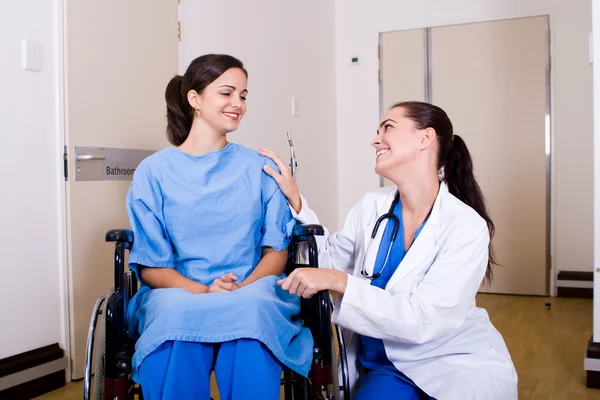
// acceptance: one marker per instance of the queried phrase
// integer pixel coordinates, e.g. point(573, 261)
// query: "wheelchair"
point(328, 376)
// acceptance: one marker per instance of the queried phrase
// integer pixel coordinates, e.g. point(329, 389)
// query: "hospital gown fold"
point(206, 216)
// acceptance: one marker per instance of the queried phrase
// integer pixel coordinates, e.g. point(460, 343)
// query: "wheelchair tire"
point(100, 349)
point(335, 364)
point(339, 363)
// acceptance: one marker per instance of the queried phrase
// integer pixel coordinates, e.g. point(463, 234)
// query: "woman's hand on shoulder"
point(284, 179)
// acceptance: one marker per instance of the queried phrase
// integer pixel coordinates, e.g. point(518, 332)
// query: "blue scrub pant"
point(382, 382)
point(244, 369)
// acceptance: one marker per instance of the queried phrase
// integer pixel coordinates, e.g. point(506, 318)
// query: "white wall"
point(288, 50)
point(31, 212)
point(358, 24)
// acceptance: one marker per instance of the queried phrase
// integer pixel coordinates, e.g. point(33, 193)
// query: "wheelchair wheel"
point(94, 360)
point(89, 351)
point(100, 345)
point(335, 378)
point(302, 390)
point(339, 367)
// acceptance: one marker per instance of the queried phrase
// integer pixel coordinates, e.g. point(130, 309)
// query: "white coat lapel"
point(423, 245)
point(420, 249)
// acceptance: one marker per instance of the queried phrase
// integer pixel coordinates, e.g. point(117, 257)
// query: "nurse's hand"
point(284, 179)
point(306, 282)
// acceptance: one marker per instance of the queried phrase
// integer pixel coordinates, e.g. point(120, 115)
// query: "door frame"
point(61, 113)
point(549, 133)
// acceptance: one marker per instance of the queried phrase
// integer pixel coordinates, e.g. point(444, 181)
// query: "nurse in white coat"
point(407, 301)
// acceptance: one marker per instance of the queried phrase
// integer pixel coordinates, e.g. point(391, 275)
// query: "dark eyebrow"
point(383, 123)
point(233, 87)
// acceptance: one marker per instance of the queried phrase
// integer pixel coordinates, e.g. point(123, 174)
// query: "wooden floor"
point(547, 346)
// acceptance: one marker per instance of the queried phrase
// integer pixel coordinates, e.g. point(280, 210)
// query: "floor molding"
point(33, 373)
point(575, 284)
point(591, 364)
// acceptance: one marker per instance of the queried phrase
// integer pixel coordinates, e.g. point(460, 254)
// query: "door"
point(403, 69)
point(119, 59)
point(492, 80)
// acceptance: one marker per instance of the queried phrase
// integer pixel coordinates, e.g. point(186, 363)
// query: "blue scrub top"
point(372, 354)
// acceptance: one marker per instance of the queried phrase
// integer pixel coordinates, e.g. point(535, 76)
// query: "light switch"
point(294, 107)
point(31, 55)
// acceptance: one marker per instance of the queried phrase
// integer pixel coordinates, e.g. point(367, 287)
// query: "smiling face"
point(399, 143)
point(222, 104)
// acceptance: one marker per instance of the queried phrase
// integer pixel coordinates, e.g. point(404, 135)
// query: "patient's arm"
point(271, 263)
point(158, 278)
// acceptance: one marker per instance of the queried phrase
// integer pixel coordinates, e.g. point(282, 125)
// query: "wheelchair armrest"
point(119, 235)
point(301, 232)
point(304, 234)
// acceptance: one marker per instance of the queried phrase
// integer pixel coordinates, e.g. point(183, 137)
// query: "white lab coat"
point(426, 316)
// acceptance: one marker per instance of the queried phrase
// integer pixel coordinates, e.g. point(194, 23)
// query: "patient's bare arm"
point(158, 278)
point(272, 263)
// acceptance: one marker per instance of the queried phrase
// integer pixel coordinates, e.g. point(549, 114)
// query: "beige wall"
point(358, 25)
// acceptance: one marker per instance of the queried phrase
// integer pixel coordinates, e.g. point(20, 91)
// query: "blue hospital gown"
point(206, 216)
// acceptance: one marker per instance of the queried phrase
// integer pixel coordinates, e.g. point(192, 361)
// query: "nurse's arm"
point(284, 179)
point(272, 263)
point(336, 251)
point(438, 304)
point(159, 278)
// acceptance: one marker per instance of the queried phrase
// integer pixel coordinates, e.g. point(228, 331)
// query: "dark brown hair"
point(455, 158)
point(202, 72)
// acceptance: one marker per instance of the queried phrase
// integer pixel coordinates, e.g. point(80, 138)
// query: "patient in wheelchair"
point(211, 235)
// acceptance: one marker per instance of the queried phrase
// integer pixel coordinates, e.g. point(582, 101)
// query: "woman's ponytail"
point(179, 112)
point(458, 174)
point(456, 162)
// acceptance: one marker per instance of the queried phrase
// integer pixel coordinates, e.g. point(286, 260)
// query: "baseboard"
point(591, 364)
point(575, 284)
point(32, 373)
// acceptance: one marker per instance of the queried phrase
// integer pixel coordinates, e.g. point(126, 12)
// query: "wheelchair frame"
point(119, 346)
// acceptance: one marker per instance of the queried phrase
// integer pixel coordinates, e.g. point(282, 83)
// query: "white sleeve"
point(439, 303)
point(338, 250)
point(306, 214)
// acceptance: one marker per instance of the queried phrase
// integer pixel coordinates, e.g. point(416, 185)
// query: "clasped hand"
point(226, 283)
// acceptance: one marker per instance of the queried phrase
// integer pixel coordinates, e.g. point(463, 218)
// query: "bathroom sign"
point(107, 164)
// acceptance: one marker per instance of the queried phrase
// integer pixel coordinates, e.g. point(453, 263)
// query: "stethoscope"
point(389, 215)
